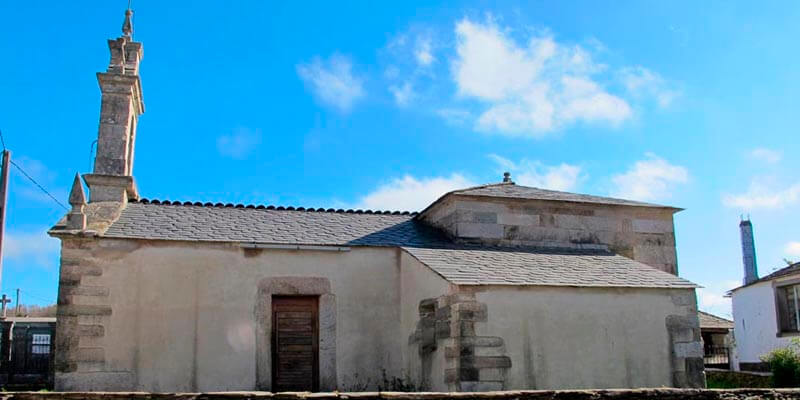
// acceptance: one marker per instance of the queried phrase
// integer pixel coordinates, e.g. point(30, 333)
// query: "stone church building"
point(494, 287)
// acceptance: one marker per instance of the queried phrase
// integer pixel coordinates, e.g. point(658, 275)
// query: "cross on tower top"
point(127, 26)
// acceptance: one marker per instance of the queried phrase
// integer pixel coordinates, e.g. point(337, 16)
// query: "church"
point(494, 287)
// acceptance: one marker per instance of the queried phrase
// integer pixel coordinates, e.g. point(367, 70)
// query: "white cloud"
point(402, 94)
point(530, 89)
point(711, 298)
point(413, 48)
point(454, 116)
point(423, 52)
point(640, 81)
point(35, 247)
point(792, 249)
point(650, 179)
point(332, 81)
point(239, 144)
point(534, 173)
point(412, 194)
point(766, 155)
point(761, 195)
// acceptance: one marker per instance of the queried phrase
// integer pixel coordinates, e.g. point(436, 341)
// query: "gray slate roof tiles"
point(711, 321)
point(550, 267)
point(788, 270)
point(230, 224)
point(459, 264)
point(511, 190)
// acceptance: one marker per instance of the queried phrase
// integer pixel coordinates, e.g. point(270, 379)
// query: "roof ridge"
point(578, 195)
point(484, 186)
point(713, 315)
point(272, 207)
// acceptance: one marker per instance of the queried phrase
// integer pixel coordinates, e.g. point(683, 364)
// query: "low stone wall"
point(698, 394)
point(723, 379)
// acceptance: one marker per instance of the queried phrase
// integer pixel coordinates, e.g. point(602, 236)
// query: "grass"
point(735, 380)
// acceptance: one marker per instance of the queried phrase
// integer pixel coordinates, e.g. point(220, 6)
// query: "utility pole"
point(3, 202)
point(17, 313)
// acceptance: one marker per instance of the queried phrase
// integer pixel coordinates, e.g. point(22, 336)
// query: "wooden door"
point(295, 344)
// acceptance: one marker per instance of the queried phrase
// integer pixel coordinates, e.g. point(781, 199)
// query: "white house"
point(765, 310)
point(765, 314)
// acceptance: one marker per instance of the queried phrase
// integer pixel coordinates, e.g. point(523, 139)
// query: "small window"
point(787, 298)
point(40, 344)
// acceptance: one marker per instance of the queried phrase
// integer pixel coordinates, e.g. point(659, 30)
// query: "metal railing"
point(716, 356)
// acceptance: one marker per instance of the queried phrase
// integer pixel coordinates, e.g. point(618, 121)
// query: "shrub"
point(785, 365)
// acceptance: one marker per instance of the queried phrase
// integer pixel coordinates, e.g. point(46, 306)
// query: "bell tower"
point(121, 106)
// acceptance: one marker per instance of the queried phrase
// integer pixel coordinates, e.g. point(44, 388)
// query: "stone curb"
point(705, 394)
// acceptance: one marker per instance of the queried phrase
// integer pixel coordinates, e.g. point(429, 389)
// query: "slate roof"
point(512, 190)
point(459, 264)
point(275, 225)
point(777, 274)
point(544, 267)
point(711, 321)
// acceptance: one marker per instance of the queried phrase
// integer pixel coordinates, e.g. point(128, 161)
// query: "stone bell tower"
point(121, 105)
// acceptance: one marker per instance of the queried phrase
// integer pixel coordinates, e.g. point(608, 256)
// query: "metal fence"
point(716, 356)
point(30, 360)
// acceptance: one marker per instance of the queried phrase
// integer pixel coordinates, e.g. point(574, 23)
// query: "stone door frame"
point(296, 286)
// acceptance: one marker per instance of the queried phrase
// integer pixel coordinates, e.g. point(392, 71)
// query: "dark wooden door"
point(295, 349)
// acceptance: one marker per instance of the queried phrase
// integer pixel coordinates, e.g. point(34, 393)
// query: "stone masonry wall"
point(623, 394)
point(641, 233)
point(686, 346)
point(473, 363)
point(83, 312)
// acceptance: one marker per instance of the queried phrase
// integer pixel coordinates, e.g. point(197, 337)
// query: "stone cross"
point(5, 300)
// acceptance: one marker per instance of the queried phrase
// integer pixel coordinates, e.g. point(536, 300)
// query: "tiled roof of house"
point(711, 321)
point(793, 268)
point(511, 190)
point(276, 225)
point(547, 267)
point(457, 263)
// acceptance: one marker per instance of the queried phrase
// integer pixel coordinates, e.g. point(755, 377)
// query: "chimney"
point(748, 252)
point(121, 105)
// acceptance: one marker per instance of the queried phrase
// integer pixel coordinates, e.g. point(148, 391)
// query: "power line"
point(39, 186)
point(36, 296)
point(2, 140)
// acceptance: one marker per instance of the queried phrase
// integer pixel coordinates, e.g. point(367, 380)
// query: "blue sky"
point(364, 105)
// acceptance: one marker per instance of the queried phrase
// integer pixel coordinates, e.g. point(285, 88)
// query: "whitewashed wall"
point(183, 316)
point(564, 337)
point(755, 323)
